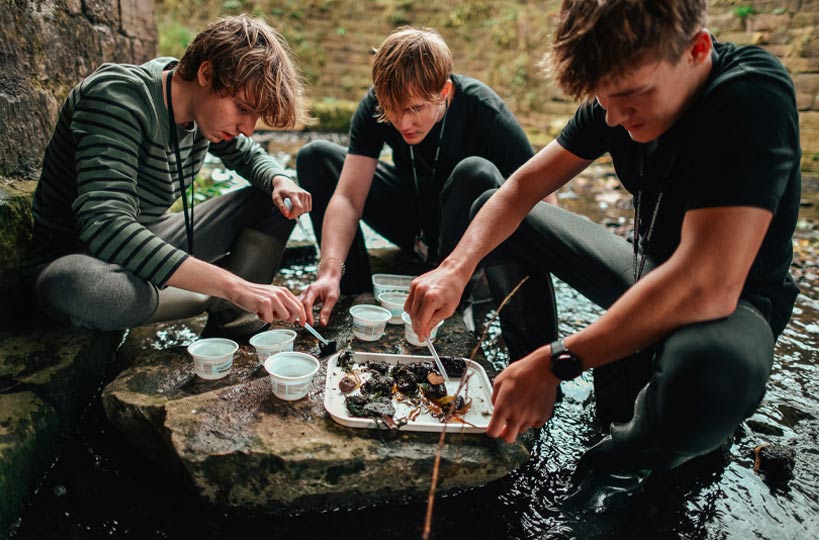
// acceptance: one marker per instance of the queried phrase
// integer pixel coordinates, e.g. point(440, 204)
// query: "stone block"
point(15, 235)
point(804, 18)
point(769, 22)
point(801, 65)
point(138, 19)
point(62, 365)
point(47, 378)
point(807, 87)
point(15, 221)
point(104, 12)
point(29, 429)
point(723, 22)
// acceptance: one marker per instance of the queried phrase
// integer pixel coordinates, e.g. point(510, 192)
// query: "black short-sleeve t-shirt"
point(737, 145)
point(478, 123)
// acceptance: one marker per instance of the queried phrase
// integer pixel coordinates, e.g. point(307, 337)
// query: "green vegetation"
point(744, 11)
point(333, 114)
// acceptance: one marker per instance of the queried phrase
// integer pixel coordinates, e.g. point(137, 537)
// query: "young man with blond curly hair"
point(705, 135)
point(129, 142)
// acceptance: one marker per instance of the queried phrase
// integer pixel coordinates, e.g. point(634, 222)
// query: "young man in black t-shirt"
point(705, 136)
point(451, 137)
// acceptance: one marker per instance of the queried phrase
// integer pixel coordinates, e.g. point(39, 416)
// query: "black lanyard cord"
point(434, 164)
point(175, 143)
point(638, 268)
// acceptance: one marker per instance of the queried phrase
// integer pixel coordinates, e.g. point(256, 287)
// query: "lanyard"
point(175, 143)
point(434, 166)
point(638, 269)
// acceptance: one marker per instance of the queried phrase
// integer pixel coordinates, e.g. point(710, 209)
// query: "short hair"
point(596, 39)
point(247, 54)
point(411, 62)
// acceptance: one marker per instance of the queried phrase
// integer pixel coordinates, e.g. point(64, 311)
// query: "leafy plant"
point(744, 11)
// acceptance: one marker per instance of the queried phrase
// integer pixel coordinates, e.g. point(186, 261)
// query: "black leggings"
point(706, 377)
point(392, 205)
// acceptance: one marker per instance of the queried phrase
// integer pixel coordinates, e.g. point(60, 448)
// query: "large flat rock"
point(241, 447)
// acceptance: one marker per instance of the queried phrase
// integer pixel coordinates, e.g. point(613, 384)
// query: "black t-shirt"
point(478, 123)
point(737, 145)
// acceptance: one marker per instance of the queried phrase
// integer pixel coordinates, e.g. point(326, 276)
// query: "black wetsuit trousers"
point(705, 378)
point(392, 205)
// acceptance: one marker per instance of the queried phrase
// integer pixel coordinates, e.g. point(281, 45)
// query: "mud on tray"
point(390, 391)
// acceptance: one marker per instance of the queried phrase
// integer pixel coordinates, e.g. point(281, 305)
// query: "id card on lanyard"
point(421, 246)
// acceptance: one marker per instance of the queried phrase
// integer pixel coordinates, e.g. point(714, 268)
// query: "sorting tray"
point(478, 389)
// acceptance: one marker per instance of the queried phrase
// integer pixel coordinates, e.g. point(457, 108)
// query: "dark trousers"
point(705, 378)
point(90, 293)
point(392, 205)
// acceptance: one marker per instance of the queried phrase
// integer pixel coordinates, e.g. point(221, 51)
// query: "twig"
point(500, 307)
point(437, 464)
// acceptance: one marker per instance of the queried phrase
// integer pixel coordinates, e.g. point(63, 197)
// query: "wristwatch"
point(565, 364)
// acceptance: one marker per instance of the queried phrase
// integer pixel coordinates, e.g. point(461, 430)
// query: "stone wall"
point(789, 31)
point(46, 48)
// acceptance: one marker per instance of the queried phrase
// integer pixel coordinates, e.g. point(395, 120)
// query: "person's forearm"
point(198, 276)
point(338, 230)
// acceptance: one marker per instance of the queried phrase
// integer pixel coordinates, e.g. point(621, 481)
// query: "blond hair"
point(597, 39)
point(411, 62)
point(247, 54)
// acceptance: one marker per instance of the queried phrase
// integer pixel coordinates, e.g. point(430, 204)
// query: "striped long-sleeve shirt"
point(110, 169)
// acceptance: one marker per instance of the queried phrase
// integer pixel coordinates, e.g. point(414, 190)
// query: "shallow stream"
point(101, 488)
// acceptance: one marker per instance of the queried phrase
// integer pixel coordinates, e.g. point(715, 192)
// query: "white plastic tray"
point(478, 389)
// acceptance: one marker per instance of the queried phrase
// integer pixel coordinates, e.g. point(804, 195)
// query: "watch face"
point(566, 366)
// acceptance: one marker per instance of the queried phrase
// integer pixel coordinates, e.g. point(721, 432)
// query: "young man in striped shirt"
point(128, 143)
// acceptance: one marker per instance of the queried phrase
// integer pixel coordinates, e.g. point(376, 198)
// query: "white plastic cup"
point(273, 341)
point(410, 334)
point(291, 374)
point(390, 282)
point(212, 357)
point(393, 301)
point(369, 321)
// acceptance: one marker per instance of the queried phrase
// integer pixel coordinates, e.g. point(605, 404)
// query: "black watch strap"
point(565, 365)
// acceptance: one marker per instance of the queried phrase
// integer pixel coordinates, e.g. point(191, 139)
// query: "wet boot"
point(529, 318)
point(613, 471)
point(175, 304)
point(255, 257)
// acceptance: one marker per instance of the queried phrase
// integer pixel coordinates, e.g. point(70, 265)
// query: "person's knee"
point(87, 296)
point(476, 169)
point(310, 164)
point(706, 387)
point(250, 200)
point(471, 176)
